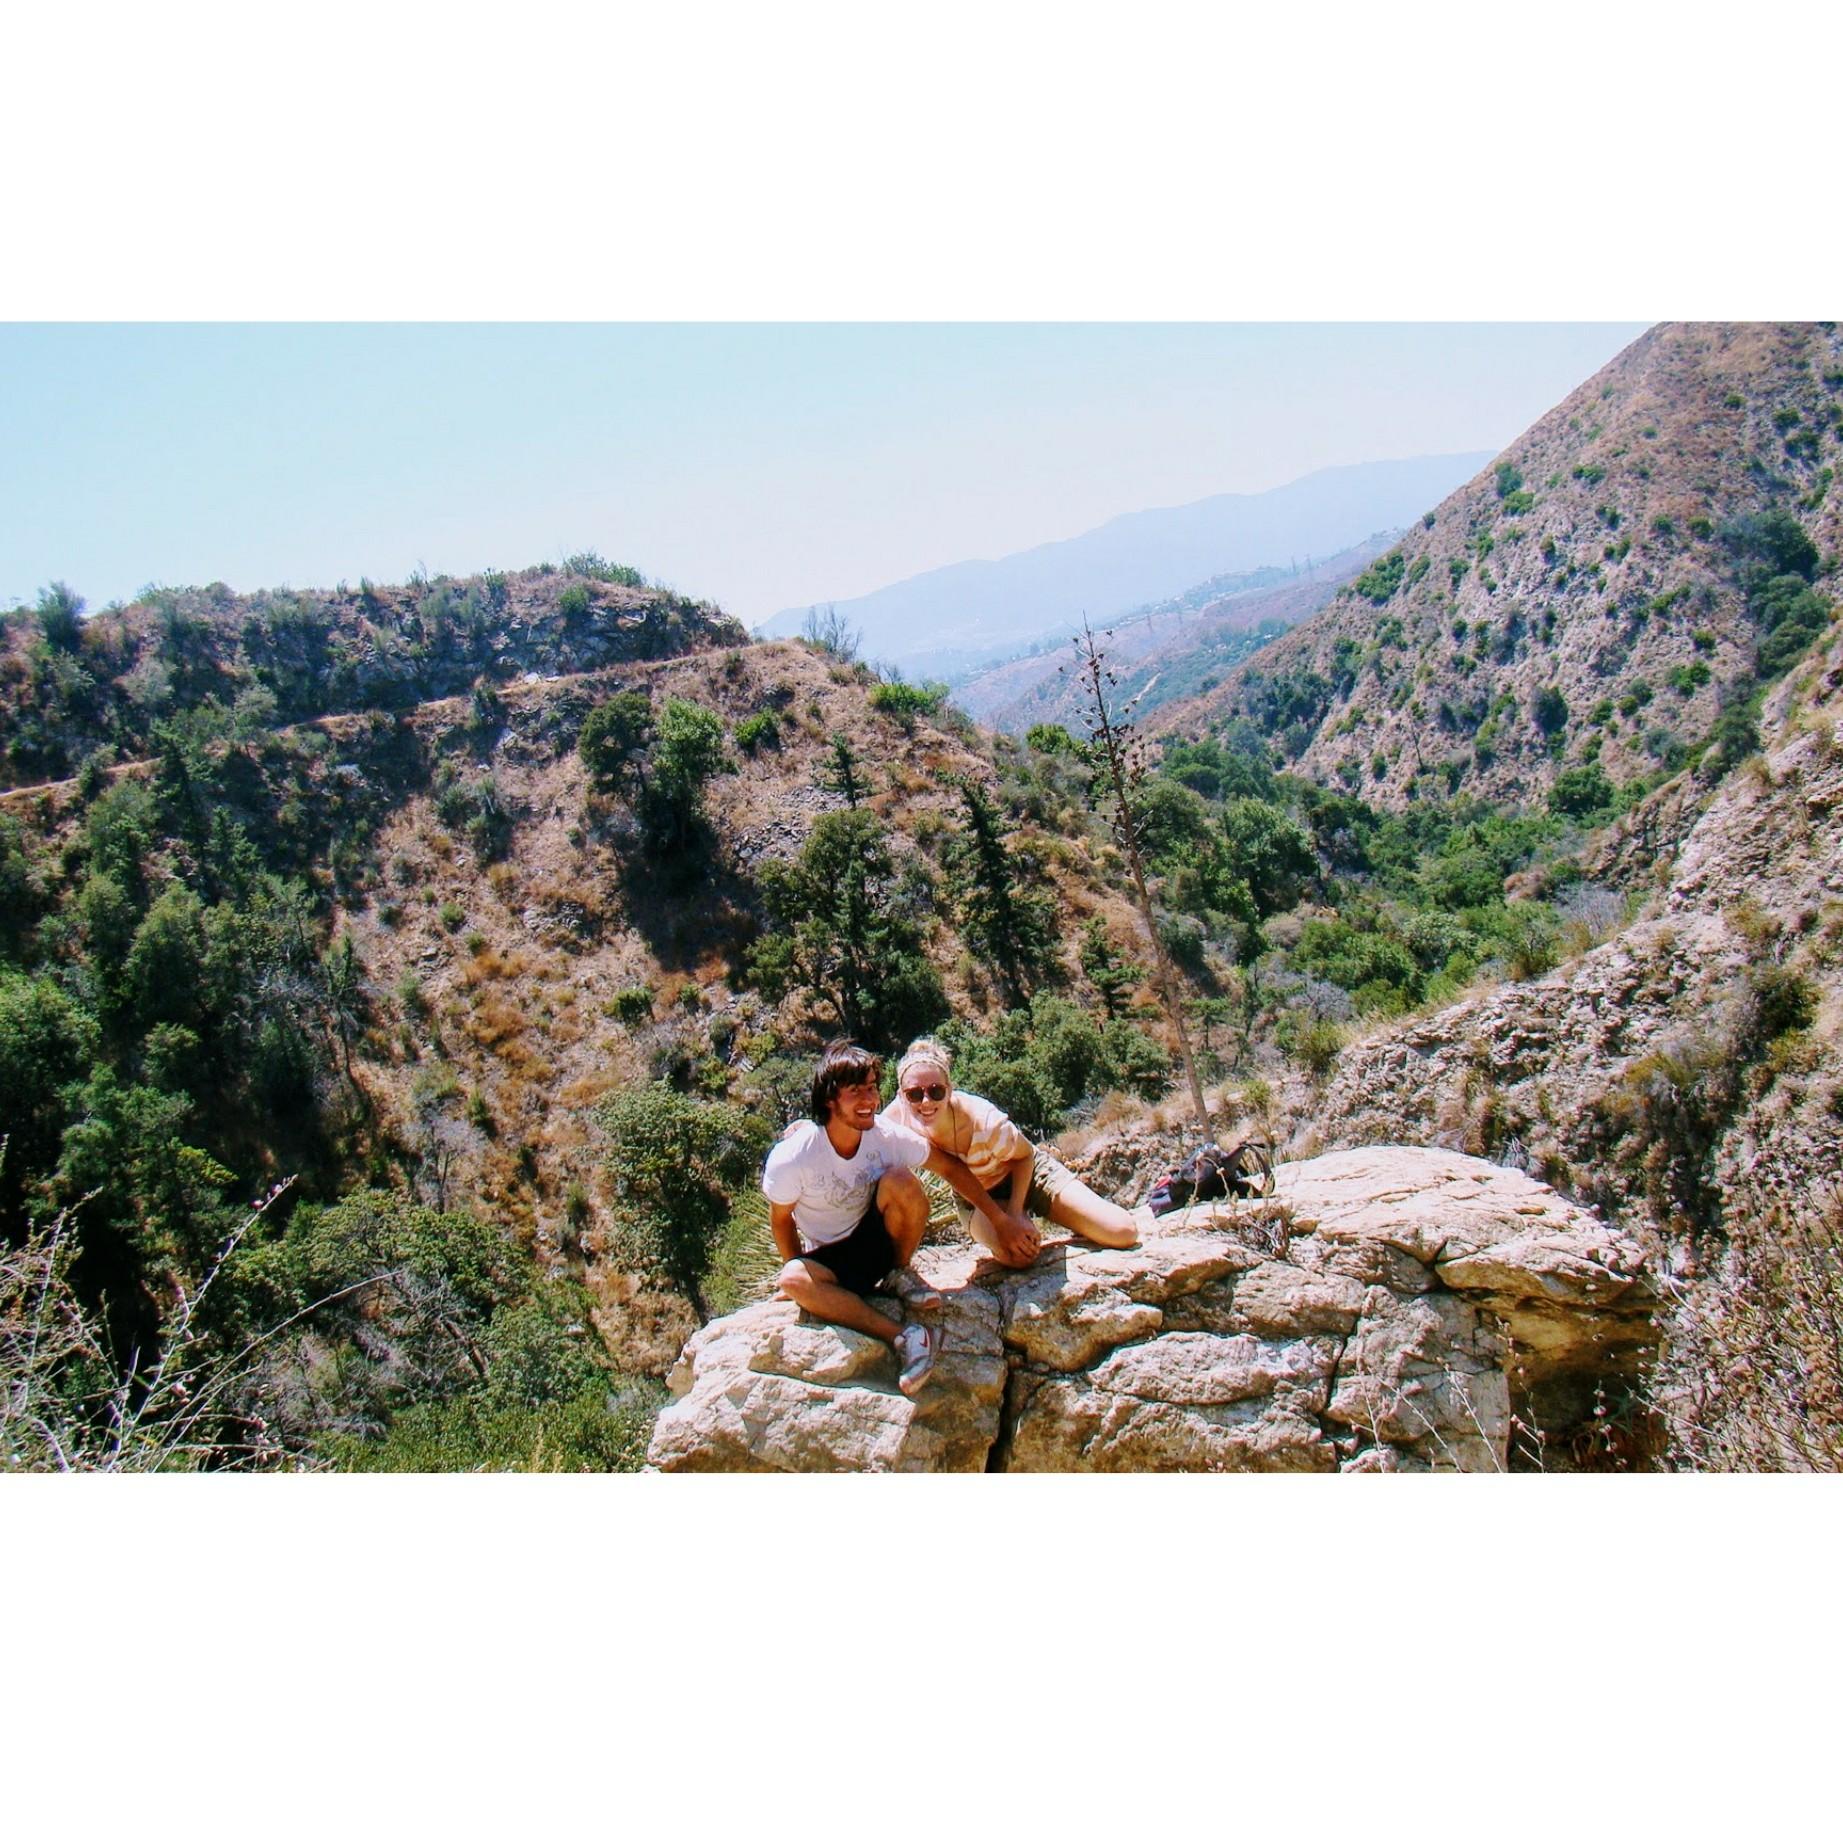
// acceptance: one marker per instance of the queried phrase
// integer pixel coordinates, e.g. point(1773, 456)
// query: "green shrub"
point(598, 1429)
point(1550, 710)
point(1734, 735)
point(613, 734)
point(1783, 1000)
point(1531, 940)
point(1382, 578)
point(676, 1162)
point(1051, 739)
point(574, 604)
point(1314, 1043)
point(60, 611)
point(590, 563)
point(1580, 793)
point(907, 702)
point(632, 1005)
point(761, 731)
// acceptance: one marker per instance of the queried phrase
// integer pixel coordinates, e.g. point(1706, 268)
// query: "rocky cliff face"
point(1685, 1074)
point(1388, 1310)
point(282, 656)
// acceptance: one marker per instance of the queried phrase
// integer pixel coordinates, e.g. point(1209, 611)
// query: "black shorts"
point(858, 1261)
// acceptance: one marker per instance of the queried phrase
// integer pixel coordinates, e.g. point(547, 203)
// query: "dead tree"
point(1122, 760)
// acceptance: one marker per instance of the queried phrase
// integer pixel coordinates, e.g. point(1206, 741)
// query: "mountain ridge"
point(950, 617)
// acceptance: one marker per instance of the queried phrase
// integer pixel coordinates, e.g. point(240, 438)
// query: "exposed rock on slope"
point(1388, 1310)
point(287, 657)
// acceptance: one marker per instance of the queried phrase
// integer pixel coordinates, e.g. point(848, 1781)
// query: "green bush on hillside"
point(1383, 577)
point(907, 702)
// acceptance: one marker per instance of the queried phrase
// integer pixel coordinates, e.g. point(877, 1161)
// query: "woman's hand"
point(1017, 1236)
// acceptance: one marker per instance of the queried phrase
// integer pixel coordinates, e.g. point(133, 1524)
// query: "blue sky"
point(763, 466)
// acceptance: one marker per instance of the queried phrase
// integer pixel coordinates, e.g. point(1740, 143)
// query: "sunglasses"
point(934, 1091)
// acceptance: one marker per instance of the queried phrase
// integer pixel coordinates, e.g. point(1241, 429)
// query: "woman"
point(1024, 1180)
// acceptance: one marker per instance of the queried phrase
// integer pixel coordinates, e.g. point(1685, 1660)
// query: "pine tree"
point(1008, 925)
point(842, 772)
point(1111, 975)
point(848, 933)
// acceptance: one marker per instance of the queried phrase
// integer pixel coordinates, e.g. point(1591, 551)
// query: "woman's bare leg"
point(1092, 1217)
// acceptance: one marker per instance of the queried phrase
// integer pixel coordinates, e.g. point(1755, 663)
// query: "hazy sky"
point(761, 466)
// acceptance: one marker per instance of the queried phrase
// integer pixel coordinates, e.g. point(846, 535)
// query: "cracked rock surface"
point(1389, 1309)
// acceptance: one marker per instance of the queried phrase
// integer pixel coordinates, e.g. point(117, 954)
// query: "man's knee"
point(796, 1282)
point(900, 1197)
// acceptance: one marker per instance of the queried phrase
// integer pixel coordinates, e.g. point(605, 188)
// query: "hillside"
point(504, 916)
point(949, 621)
point(1183, 647)
point(1596, 598)
point(1685, 1078)
point(401, 954)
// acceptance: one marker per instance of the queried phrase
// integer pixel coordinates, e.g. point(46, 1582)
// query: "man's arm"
point(786, 1236)
point(1020, 1170)
point(1016, 1235)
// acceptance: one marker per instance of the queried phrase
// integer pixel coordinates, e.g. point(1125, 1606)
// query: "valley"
point(499, 918)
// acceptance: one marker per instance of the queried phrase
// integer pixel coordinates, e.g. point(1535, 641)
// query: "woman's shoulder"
point(982, 1113)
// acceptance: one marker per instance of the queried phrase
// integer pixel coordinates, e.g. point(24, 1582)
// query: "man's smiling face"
point(857, 1105)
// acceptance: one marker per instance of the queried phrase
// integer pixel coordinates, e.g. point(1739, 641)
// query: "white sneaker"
point(915, 1352)
point(906, 1284)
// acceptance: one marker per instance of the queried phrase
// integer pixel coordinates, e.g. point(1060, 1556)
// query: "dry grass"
point(1750, 1378)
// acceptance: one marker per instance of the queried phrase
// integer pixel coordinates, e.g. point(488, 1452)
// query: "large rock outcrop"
point(1387, 1310)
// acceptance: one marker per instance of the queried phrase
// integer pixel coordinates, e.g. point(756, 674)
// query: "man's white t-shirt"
point(829, 1194)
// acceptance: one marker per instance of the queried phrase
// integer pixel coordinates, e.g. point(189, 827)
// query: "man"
point(848, 1211)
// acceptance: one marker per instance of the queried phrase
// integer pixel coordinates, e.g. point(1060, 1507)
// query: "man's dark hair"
point(843, 1065)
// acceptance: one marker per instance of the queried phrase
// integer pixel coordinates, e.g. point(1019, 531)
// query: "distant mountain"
point(1178, 648)
point(967, 614)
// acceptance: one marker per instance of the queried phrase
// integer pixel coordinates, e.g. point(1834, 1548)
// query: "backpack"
point(1245, 1169)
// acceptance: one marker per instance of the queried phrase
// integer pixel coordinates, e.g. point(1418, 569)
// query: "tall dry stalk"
point(67, 1404)
point(1123, 757)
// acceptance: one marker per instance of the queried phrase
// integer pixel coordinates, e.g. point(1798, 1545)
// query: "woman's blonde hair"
point(930, 1050)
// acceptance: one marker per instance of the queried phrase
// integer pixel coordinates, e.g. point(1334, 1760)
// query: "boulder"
point(1389, 1309)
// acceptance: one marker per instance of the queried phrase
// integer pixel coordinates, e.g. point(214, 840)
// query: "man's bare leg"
point(903, 1205)
point(1092, 1217)
point(814, 1288)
